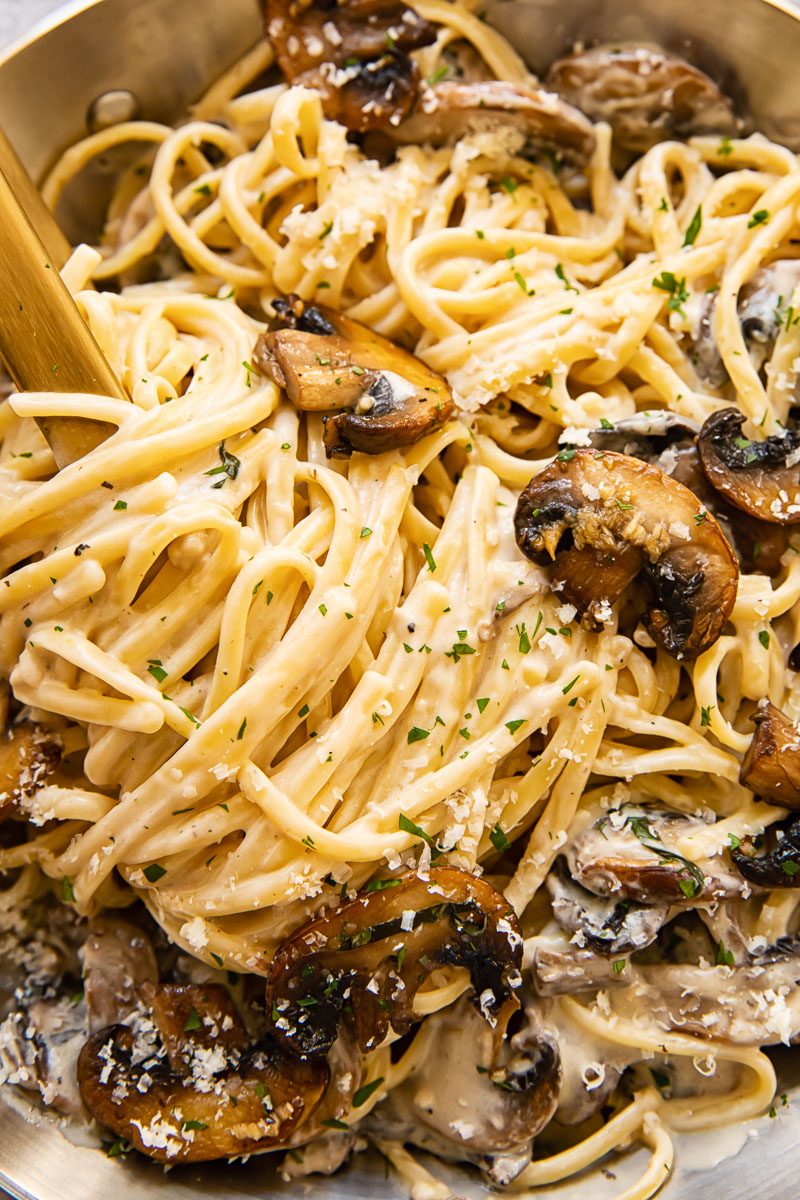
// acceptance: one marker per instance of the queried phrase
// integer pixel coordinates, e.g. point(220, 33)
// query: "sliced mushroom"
point(326, 361)
point(764, 303)
point(355, 53)
point(609, 925)
point(28, 757)
point(780, 866)
point(39, 1048)
point(646, 95)
point(210, 1094)
point(449, 110)
point(646, 434)
point(560, 972)
point(626, 518)
point(760, 478)
point(755, 1004)
point(771, 766)
point(117, 958)
point(363, 962)
point(490, 1110)
point(667, 441)
point(628, 855)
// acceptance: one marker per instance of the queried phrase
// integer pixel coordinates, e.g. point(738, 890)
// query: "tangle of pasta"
point(283, 673)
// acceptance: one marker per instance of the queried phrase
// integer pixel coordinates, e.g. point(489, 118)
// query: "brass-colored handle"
point(44, 340)
point(41, 218)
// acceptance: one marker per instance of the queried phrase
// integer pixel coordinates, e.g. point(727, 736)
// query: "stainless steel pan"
point(166, 52)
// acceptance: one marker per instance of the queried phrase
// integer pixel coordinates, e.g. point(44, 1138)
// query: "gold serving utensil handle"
point(44, 341)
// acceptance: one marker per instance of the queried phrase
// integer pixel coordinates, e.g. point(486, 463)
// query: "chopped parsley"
point(676, 289)
point(363, 1094)
point(229, 466)
point(694, 227)
point(498, 838)
point(415, 734)
point(154, 872)
point(156, 669)
point(758, 218)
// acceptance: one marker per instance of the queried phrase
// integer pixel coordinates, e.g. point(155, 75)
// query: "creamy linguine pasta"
point(277, 676)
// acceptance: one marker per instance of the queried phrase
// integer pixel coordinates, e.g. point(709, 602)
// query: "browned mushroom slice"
point(667, 441)
point(631, 519)
point(646, 95)
point(760, 478)
point(326, 362)
point(628, 855)
point(490, 1110)
point(117, 958)
point(28, 757)
point(780, 866)
point(218, 1095)
point(609, 925)
point(450, 110)
point(364, 961)
point(354, 53)
point(771, 766)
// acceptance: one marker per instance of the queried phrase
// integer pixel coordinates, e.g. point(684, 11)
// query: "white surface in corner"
point(17, 15)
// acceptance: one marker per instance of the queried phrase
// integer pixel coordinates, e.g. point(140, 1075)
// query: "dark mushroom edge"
point(326, 361)
point(214, 1094)
point(354, 53)
point(605, 518)
point(771, 767)
point(363, 963)
point(760, 478)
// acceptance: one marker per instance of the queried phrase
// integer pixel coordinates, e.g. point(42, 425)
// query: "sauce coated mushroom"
point(452, 109)
point(629, 854)
point(326, 362)
point(487, 1116)
point(605, 518)
point(355, 53)
point(207, 1092)
point(771, 766)
point(646, 95)
point(363, 962)
point(28, 757)
point(609, 925)
point(760, 478)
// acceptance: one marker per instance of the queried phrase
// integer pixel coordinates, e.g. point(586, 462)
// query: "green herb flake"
point(482, 703)
point(242, 728)
point(120, 505)
point(498, 838)
point(619, 966)
point(363, 1094)
point(513, 726)
point(415, 734)
point(758, 218)
point(724, 958)
point(569, 686)
point(694, 227)
point(429, 559)
point(763, 637)
point(67, 891)
point(156, 669)
point(154, 872)
point(192, 1021)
